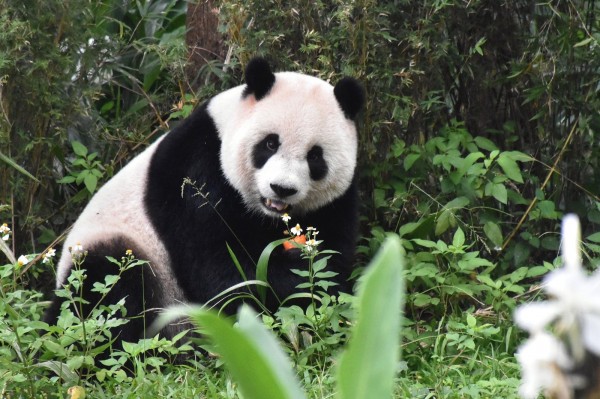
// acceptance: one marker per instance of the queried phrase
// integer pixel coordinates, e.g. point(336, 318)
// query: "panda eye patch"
point(264, 149)
point(316, 163)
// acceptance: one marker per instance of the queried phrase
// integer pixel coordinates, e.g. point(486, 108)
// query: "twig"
point(534, 200)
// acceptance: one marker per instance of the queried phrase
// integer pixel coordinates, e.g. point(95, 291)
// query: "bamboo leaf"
point(17, 167)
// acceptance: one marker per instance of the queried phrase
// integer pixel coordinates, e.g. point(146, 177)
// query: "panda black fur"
point(284, 142)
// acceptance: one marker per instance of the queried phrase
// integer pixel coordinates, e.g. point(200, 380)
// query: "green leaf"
point(79, 149)
point(262, 267)
point(90, 181)
point(424, 243)
point(494, 233)
point(584, 42)
point(459, 238)
point(518, 156)
point(409, 160)
point(472, 264)
point(500, 193)
point(510, 167)
point(536, 271)
point(457, 203)
point(368, 366)
point(443, 222)
point(61, 370)
point(485, 143)
point(67, 179)
point(236, 262)
point(252, 355)
point(16, 166)
point(594, 237)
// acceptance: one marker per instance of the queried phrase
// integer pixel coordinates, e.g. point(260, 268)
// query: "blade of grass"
point(263, 265)
point(17, 167)
point(236, 262)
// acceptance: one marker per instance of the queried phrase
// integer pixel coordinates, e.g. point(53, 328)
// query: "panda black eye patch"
point(316, 163)
point(264, 149)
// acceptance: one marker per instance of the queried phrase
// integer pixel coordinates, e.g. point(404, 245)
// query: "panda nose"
point(283, 192)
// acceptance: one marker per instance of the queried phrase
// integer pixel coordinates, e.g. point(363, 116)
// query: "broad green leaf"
point(424, 243)
point(457, 203)
point(61, 370)
point(494, 233)
point(485, 143)
point(510, 167)
point(518, 156)
point(443, 223)
point(459, 238)
point(409, 160)
point(91, 182)
point(368, 366)
point(252, 355)
point(79, 148)
point(500, 193)
point(594, 237)
point(472, 264)
point(536, 271)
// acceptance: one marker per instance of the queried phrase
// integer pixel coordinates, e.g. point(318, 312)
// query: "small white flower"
point(296, 230)
point(286, 218)
point(50, 253)
point(22, 260)
point(77, 252)
point(311, 232)
point(4, 231)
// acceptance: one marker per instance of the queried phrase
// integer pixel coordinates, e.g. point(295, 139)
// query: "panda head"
point(289, 141)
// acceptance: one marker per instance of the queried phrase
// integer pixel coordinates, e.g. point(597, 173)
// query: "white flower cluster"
point(4, 232)
point(77, 252)
point(48, 255)
point(310, 244)
point(572, 314)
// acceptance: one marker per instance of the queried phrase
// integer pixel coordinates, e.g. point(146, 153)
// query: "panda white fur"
point(281, 143)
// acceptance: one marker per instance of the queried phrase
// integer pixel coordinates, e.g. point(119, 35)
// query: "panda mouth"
point(275, 205)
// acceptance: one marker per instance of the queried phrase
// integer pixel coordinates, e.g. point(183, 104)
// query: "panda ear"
point(350, 94)
point(259, 78)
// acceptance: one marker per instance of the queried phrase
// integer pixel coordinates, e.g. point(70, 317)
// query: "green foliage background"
point(479, 133)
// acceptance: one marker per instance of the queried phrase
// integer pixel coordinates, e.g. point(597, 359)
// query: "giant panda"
point(280, 143)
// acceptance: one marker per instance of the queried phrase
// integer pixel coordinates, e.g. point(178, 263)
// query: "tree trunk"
point(203, 40)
